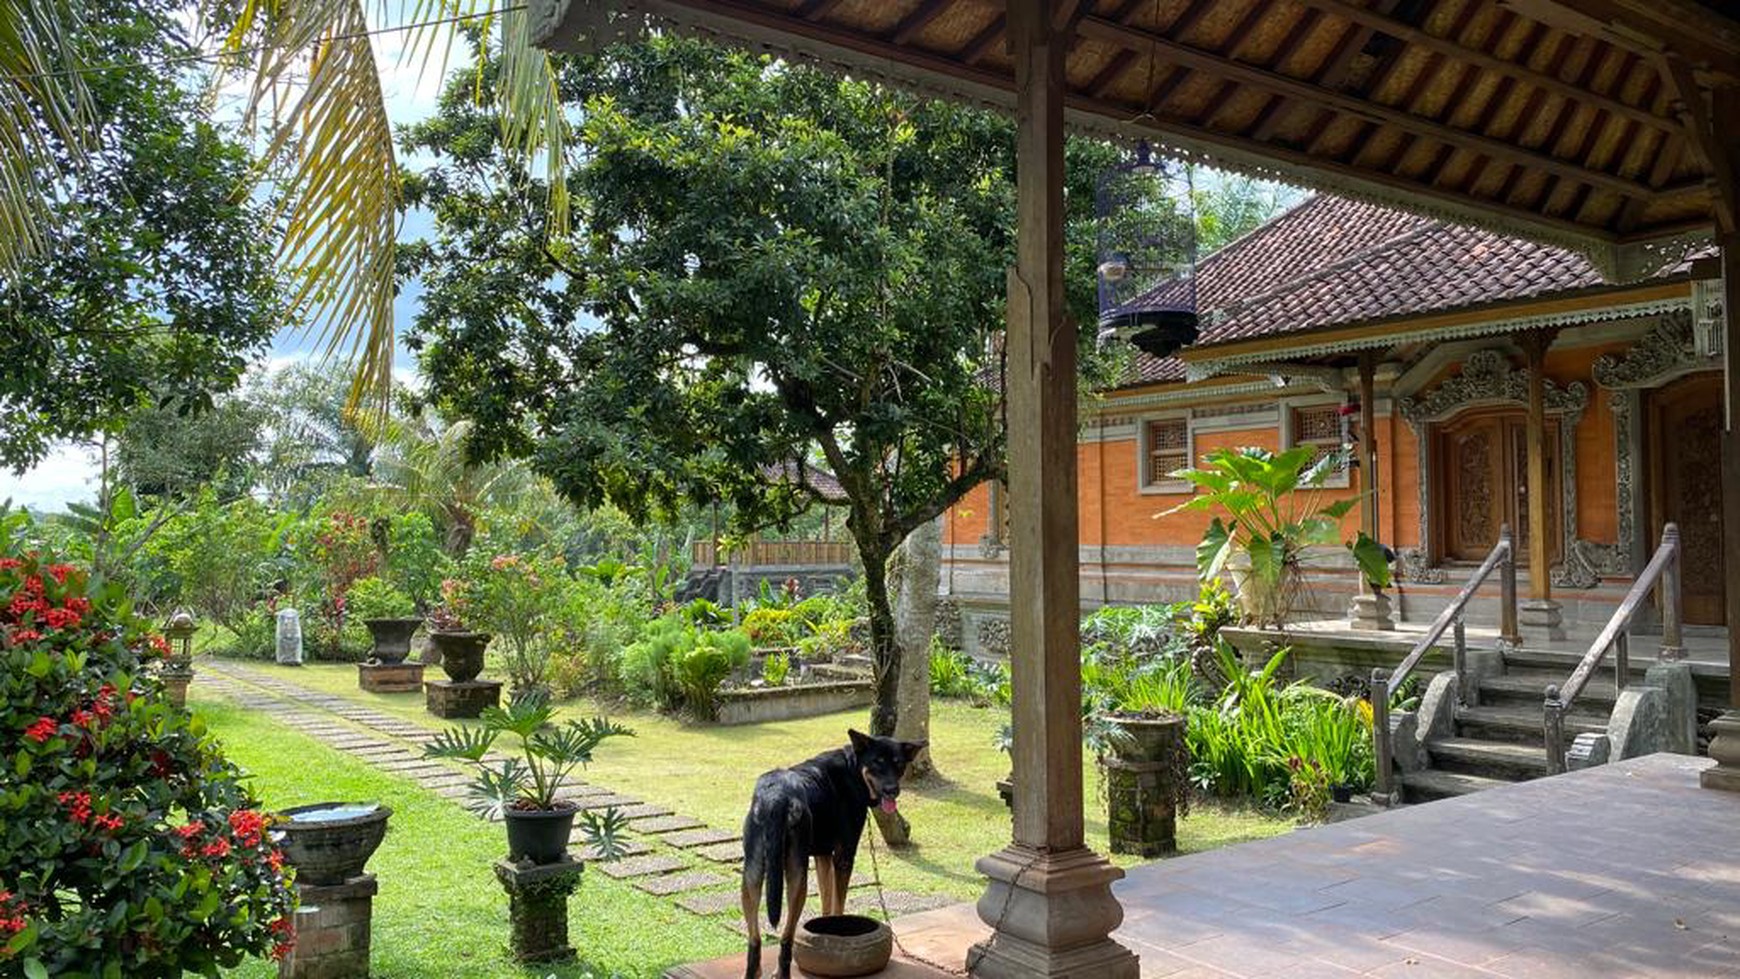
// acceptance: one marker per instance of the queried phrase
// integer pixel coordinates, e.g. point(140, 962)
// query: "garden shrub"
point(769, 626)
point(515, 597)
point(254, 635)
point(376, 598)
point(699, 670)
point(416, 564)
point(645, 673)
point(956, 674)
point(776, 669)
point(128, 845)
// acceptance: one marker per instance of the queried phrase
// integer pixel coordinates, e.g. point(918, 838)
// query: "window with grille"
point(1320, 426)
point(1166, 449)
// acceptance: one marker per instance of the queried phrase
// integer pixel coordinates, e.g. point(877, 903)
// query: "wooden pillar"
point(1048, 898)
point(1731, 456)
point(1368, 459)
point(1540, 612)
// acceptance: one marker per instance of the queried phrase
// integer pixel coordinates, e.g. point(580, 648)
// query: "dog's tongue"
point(889, 805)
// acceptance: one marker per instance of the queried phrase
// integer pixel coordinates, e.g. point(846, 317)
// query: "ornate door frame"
point(1665, 354)
point(1489, 378)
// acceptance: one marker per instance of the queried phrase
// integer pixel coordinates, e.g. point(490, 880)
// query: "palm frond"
point(46, 118)
point(341, 211)
point(530, 107)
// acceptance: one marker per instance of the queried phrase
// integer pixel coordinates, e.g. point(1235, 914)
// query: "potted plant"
point(389, 614)
point(1273, 510)
point(1136, 728)
point(457, 648)
point(524, 791)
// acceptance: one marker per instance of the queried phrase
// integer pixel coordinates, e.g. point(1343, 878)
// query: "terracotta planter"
point(843, 945)
point(392, 638)
point(330, 842)
point(539, 835)
point(461, 653)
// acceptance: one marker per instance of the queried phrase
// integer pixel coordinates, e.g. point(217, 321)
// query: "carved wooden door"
point(1483, 484)
point(1686, 487)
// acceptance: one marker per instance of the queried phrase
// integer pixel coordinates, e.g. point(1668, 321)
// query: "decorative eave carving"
point(1488, 378)
point(1665, 352)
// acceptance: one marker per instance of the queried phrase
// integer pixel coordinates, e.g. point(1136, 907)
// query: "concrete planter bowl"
point(330, 842)
point(392, 638)
point(843, 945)
point(461, 653)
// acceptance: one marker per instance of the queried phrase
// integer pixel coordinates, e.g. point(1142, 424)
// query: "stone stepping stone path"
point(664, 824)
point(642, 866)
point(722, 852)
point(662, 861)
point(691, 838)
point(669, 884)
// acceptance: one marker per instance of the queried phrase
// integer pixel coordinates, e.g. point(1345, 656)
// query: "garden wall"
point(754, 706)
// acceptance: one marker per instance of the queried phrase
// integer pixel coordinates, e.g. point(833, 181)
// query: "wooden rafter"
point(1456, 50)
point(1276, 83)
point(914, 22)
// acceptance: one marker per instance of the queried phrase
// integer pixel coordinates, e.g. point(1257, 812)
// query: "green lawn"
point(707, 772)
point(440, 913)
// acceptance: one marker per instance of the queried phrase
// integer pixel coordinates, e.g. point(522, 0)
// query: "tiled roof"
point(1331, 261)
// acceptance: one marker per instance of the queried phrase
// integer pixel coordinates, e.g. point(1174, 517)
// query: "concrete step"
point(1432, 783)
point(834, 671)
point(1523, 687)
point(1519, 724)
point(1488, 759)
point(1560, 662)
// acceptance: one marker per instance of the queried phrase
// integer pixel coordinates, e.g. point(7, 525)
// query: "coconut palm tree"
point(423, 466)
point(314, 95)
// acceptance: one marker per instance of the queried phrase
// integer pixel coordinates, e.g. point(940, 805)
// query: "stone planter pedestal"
point(332, 930)
point(447, 698)
point(175, 688)
point(538, 907)
point(403, 677)
point(1141, 791)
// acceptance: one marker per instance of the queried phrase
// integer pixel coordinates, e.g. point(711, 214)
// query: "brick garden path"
point(667, 854)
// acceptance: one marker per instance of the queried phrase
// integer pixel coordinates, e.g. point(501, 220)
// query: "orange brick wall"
point(1115, 513)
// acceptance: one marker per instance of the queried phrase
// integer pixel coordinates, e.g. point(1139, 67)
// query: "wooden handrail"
point(1663, 570)
point(1384, 683)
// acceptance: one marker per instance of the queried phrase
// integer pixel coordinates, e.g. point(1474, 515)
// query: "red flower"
point(110, 821)
point(60, 571)
point(10, 563)
point(79, 604)
point(24, 603)
point(275, 860)
point(219, 847)
point(60, 618)
point(82, 718)
point(42, 730)
point(248, 826)
point(23, 636)
point(190, 831)
point(32, 585)
point(161, 646)
point(78, 805)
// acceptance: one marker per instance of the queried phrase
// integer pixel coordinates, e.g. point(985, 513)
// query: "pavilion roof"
point(1573, 122)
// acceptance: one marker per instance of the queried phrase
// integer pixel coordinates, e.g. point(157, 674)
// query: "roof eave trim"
point(1202, 370)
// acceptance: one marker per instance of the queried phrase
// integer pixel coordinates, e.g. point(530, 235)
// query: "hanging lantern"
point(1146, 250)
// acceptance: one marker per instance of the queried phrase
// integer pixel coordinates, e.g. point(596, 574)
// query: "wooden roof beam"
point(1276, 83)
point(1687, 99)
point(981, 43)
point(1452, 48)
point(914, 22)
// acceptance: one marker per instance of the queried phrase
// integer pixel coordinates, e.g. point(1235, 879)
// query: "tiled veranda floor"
point(1629, 869)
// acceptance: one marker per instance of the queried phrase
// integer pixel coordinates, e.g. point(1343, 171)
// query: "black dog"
point(815, 809)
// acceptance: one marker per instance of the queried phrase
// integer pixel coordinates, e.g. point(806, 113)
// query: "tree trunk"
point(920, 563)
point(885, 660)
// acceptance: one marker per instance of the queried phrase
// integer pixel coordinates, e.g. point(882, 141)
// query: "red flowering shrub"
point(128, 846)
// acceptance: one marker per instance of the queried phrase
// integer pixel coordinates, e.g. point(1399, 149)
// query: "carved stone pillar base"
point(1371, 613)
point(1052, 916)
point(1541, 618)
point(538, 906)
point(1725, 748)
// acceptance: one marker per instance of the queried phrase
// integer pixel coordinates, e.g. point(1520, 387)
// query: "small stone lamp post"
point(177, 671)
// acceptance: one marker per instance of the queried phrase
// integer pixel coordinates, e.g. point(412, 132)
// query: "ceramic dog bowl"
point(842, 945)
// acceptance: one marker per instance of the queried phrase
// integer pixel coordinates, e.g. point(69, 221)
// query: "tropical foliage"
point(130, 846)
point(1269, 508)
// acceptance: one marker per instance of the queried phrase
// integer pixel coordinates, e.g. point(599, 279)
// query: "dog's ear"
point(860, 740)
point(910, 749)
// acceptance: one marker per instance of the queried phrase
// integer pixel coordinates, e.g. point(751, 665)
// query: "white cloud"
point(68, 473)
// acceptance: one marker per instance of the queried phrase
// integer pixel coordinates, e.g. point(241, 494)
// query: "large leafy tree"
point(773, 267)
point(150, 272)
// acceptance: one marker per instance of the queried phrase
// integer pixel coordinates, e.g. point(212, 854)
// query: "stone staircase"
point(1498, 737)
